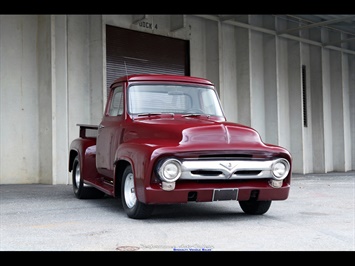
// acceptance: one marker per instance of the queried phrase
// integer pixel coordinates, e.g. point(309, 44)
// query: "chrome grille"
point(226, 169)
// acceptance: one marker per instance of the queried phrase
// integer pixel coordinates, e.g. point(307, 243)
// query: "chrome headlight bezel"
point(170, 170)
point(280, 169)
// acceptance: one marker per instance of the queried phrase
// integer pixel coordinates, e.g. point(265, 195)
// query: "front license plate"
point(225, 194)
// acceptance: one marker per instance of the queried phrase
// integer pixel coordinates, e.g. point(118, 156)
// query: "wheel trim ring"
point(77, 175)
point(129, 195)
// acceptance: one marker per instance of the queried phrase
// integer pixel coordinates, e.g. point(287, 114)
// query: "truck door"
point(109, 135)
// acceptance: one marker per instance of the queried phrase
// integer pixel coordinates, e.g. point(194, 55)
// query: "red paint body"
point(142, 140)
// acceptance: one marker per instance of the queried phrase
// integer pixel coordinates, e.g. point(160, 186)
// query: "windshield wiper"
point(196, 115)
point(149, 114)
point(189, 115)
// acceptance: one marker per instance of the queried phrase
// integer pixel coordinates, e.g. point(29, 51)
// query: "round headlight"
point(280, 169)
point(170, 170)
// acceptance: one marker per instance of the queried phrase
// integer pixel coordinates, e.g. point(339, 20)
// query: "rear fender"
point(86, 149)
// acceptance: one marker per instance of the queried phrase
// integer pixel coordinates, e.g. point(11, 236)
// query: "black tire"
point(132, 207)
point(255, 207)
point(82, 191)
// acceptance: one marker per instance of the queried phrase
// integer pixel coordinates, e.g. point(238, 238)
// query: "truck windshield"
point(165, 98)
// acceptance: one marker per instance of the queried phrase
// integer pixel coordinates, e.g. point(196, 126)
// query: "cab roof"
point(162, 77)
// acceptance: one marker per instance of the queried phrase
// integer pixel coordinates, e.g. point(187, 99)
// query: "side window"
point(116, 107)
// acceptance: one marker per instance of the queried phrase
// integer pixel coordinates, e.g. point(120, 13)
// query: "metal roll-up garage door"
point(133, 52)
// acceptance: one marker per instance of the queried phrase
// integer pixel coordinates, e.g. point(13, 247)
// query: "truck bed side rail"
point(87, 131)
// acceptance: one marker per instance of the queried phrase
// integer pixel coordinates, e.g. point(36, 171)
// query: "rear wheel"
point(255, 207)
point(82, 191)
point(133, 208)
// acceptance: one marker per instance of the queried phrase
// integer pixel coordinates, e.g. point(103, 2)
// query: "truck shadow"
point(191, 211)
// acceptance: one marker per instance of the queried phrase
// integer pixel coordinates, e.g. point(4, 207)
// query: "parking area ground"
point(319, 215)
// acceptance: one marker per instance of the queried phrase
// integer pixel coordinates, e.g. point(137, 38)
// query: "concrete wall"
point(20, 100)
point(53, 77)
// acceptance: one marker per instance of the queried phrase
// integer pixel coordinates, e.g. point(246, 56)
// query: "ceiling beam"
point(316, 24)
point(340, 41)
point(272, 32)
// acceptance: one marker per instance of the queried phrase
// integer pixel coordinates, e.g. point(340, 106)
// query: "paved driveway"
point(319, 215)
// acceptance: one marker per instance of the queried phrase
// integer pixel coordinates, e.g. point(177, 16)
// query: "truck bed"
point(88, 131)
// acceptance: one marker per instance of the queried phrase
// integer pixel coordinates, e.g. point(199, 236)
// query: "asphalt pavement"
point(319, 215)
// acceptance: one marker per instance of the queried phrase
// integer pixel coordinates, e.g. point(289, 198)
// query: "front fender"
point(139, 156)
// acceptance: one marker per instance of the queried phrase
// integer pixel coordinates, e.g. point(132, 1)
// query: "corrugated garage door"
point(133, 52)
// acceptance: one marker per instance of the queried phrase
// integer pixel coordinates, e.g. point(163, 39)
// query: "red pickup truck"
point(164, 139)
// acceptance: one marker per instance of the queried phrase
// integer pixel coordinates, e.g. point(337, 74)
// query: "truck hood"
point(190, 131)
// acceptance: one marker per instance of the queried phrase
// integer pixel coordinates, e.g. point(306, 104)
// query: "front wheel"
point(133, 208)
point(255, 207)
point(82, 191)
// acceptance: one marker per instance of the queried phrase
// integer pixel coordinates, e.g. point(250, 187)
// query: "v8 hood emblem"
point(228, 165)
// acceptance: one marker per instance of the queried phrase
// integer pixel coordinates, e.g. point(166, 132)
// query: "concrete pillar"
point(243, 74)
point(97, 44)
point(45, 96)
point(327, 114)
point(271, 90)
point(352, 109)
point(306, 121)
point(317, 109)
point(78, 72)
point(198, 47)
point(283, 89)
point(228, 77)
point(295, 105)
point(257, 79)
point(337, 110)
point(348, 143)
point(213, 53)
point(19, 101)
point(60, 141)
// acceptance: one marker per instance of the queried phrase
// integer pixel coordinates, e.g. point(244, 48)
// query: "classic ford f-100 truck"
point(164, 139)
